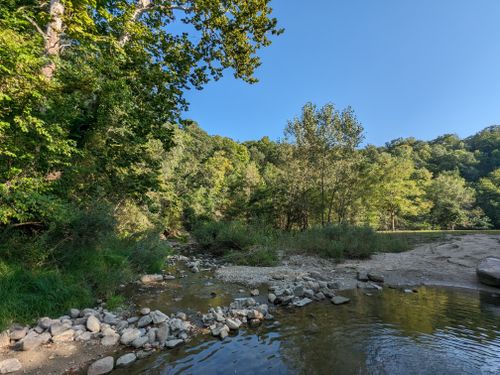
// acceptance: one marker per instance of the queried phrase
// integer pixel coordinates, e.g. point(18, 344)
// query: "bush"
point(343, 241)
point(70, 265)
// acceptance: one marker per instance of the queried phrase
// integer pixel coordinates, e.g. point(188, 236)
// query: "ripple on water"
point(434, 331)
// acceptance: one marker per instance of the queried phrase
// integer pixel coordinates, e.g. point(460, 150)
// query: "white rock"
point(110, 340)
point(102, 366)
point(145, 311)
point(33, 340)
point(93, 324)
point(129, 335)
point(10, 365)
point(233, 324)
point(74, 313)
point(140, 341)
point(147, 279)
point(65, 336)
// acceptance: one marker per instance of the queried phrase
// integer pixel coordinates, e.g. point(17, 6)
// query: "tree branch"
point(38, 28)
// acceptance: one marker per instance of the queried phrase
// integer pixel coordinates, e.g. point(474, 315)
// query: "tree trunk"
point(393, 221)
point(53, 37)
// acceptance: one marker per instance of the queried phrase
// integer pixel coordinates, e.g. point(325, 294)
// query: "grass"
point(259, 246)
point(73, 265)
point(416, 237)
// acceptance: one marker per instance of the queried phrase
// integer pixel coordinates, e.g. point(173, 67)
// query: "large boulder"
point(488, 271)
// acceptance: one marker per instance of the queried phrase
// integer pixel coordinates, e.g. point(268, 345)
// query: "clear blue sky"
point(408, 68)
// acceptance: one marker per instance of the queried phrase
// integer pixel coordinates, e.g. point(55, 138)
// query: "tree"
point(489, 196)
point(88, 87)
point(452, 199)
point(398, 188)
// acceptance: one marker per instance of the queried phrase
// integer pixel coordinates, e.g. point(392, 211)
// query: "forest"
point(96, 161)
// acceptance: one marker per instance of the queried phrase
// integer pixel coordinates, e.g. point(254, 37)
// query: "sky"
point(418, 68)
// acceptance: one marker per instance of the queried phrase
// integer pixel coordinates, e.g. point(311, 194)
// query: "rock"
point(19, 333)
point(169, 277)
point(373, 286)
point(65, 336)
point(309, 293)
point(145, 311)
point(158, 317)
point(110, 340)
point(375, 276)
point(255, 314)
point(74, 313)
point(299, 291)
point(85, 336)
point(362, 275)
point(152, 335)
point(33, 340)
point(110, 318)
point(408, 291)
point(488, 271)
point(10, 365)
point(57, 328)
point(162, 333)
point(148, 279)
point(319, 296)
point(133, 320)
point(177, 325)
point(181, 316)
point(101, 366)
point(318, 276)
point(144, 321)
point(271, 297)
point(129, 335)
point(233, 324)
point(254, 292)
point(173, 343)
point(140, 341)
point(126, 360)
point(93, 324)
point(4, 340)
point(45, 323)
point(302, 302)
point(339, 300)
point(141, 354)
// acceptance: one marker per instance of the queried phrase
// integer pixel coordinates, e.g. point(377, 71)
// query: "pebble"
point(145, 311)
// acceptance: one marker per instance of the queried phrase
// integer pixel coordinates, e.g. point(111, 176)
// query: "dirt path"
point(448, 263)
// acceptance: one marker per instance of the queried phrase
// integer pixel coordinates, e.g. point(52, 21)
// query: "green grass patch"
point(46, 274)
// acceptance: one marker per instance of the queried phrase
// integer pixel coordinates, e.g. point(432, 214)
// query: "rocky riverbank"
point(109, 339)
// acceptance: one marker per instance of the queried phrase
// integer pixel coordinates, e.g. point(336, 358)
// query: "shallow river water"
point(434, 331)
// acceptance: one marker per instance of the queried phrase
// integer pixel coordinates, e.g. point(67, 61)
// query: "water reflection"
point(434, 331)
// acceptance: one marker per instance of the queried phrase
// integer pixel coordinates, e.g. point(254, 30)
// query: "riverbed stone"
point(85, 336)
point(488, 271)
point(173, 343)
point(101, 366)
point(126, 359)
point(254, 292)
point(148, 279)
point(93, 324)
point(129, 335)
point(74, 313)
point(271, 297)
point(376, 276)
point(309, 293)
point(362, 275)
point(158, 317)
point(303, 302)
point(140, 341)
point(339, 300)
point(64, 336)
point(144, 321)
point(33, 340)
point(162, 333)
point(10, 365)
point(233, 324)
point(145, 311)
point(180, 315)
point(18, 333)
point(58, 328)
point(110, 340)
